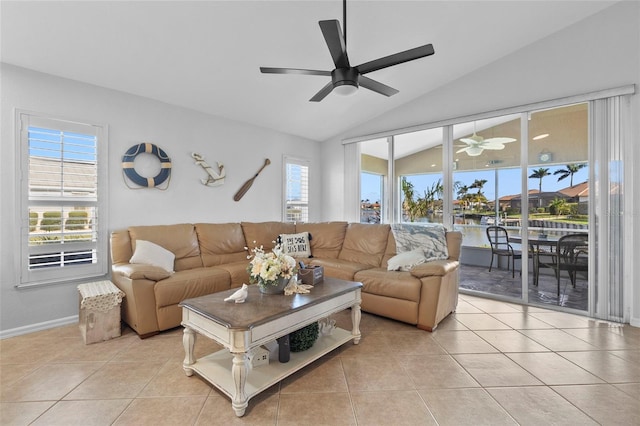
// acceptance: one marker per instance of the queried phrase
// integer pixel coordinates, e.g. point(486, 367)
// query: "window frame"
point(55, 275)
point(303, 162)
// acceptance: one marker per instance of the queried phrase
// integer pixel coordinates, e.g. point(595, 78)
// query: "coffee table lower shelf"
point(217, 367)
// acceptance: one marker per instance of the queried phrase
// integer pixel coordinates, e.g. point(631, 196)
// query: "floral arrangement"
point(266, 269)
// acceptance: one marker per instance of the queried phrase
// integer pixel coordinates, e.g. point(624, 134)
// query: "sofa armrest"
point(137, 271)
point(434, 268)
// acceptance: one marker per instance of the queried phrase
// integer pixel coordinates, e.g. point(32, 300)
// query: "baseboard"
point(19, 331)
point(635, 322)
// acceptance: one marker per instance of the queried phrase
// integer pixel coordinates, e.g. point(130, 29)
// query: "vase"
point(274, 289)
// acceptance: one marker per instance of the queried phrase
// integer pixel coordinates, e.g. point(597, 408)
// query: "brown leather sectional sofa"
point(211, 257)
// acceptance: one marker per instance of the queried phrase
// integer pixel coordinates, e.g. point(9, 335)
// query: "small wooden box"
point(311, 275)
point(99, 311)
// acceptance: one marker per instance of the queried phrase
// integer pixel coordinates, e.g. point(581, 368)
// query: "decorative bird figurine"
point(239, 296)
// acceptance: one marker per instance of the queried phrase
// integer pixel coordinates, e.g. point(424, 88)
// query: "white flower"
point(267, 268)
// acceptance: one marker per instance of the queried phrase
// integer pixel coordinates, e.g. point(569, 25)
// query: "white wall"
point(131, 120)
point(600, 52)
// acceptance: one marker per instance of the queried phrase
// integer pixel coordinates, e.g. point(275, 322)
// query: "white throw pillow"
point(405, 261)
point(149, 253)
point(296, 245)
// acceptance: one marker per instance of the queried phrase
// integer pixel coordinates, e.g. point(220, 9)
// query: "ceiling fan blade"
point(462, 150)
point(268, 70)
point(470, 141)
point(397, 58)
point(322, 93)
point(376, 86)
point(335, 41)
point(494, 146)
point(499, 140)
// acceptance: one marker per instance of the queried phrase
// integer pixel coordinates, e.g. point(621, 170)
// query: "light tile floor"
point(490, 363)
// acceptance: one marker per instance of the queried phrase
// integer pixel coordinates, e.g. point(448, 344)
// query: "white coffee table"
point(261, 319)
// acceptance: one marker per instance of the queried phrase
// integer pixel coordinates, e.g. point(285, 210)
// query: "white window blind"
point(62, 230)
point(296, 190)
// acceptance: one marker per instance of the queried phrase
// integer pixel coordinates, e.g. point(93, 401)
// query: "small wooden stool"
point(99, 311)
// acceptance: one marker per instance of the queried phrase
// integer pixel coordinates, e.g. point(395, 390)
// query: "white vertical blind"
point(352, 182)
point(608, 184)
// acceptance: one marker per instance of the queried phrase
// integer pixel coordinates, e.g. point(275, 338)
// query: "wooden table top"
point(261, 308)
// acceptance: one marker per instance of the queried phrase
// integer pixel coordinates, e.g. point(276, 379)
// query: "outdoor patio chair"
point(572, 256)
point(499, 240)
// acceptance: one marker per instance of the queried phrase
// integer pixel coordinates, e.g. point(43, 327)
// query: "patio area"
point(499, 282)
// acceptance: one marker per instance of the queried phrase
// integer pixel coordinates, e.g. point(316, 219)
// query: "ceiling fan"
point(345, 79)
point(476, 144)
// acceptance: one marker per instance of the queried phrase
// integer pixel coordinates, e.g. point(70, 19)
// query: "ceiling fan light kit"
point(346, 79)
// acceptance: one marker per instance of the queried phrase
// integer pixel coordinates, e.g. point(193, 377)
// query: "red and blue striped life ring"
point(149, 148)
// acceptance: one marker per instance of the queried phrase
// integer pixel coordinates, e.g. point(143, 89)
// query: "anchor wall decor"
point(214, 178)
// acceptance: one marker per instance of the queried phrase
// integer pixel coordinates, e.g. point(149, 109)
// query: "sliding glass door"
point(531, 176)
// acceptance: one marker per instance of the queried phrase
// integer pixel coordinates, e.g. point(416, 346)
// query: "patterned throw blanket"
point(429, 238)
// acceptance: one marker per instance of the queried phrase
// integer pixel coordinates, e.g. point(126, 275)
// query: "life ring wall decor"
point(129, 170)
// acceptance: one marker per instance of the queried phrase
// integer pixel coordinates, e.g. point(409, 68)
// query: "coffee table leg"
point(355, 321)
point(239, 372)
point(188, 341)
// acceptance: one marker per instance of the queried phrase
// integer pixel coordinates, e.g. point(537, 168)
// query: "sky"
point(508, 181)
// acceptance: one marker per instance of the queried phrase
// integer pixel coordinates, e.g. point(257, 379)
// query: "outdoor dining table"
point(536, 240)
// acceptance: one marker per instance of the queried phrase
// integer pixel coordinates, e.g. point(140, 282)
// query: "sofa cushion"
point(221, 243)
point(327, 238)
point(149, 253)
point(365, 243)
point(434, 268)
point(190, 283)
point(140, 271)
point(237, 271)
point(265, 233)
point(338, 268)
point(405, 261)
point(395, 284)
point(180, 239)
point(296, 245)
point(430, 238)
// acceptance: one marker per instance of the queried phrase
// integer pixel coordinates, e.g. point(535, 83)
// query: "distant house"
point(515, 201)
point(577, 193)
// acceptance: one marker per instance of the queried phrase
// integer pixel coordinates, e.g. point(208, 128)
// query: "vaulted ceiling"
point(205, 55)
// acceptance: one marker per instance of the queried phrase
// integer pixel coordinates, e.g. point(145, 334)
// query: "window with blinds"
point(296, 190)
point(63, 236)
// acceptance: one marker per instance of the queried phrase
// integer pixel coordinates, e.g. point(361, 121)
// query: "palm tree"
point(479, 184)
point(408, 204)
point(539, 174)
point(569, 171)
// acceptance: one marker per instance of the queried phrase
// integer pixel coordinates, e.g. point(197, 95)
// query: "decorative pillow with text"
point(296, 245)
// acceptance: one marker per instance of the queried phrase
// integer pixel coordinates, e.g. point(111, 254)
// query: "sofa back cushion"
point(121, 250)
point(326, 238)
point(221, 243)
point(390, 251)
point(180, 239)
point(265, 233)
point(454, 243)
point(365, 243)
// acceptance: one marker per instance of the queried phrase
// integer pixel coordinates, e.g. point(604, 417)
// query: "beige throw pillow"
point(152, 254)
point(405, 261)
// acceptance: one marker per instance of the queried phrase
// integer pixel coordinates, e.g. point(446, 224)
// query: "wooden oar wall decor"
point(243, 190)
